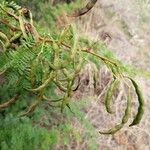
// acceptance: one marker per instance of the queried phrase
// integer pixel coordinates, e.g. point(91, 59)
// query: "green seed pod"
point(113, 130)
point(3, 36)
point(47, 81)
point(128, 109)
point(9, 102)
point(124, 119)
point(79, 66)
point(31, 109)
point(1, 72)
point(51, 100)
point(22, 27)
point(140, 113)
point(46, 70)
point(108, 99)
point(113, 69)
point(67, 96)
point(3, 45)
point(60, 86)
point(85, 9)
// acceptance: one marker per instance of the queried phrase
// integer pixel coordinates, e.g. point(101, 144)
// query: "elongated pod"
point(124, 119)
point(113, 130)
point(9, 102)
point(85, 9)
point(45, 84)
point(108, 99)
point(30, 109)
point(140, 112)
point(128, 108)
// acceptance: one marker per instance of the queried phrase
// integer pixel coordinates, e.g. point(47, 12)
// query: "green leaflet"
point(108, 99)
point(140, 112)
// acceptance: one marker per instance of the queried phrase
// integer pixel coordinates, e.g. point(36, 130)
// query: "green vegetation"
point(40, 72)
point(47, 129)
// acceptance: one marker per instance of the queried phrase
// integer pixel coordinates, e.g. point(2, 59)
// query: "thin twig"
point(101, 57)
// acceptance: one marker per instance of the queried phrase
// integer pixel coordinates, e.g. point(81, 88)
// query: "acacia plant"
point(32, 64)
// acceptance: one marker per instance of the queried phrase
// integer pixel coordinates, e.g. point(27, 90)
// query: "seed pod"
point(113, 69)
point(2, 72)
point(124, 119)
point(3, 45)
point(49, 79)
point(31, 109)
point(45, 69)
point(51, 100)
point(67, 96)
point(60, 86)
point(108, 99)
point(113, 130)
point(140, 112)
point(22, 27)
point(74, 40)
point(3, 36)
point(9, 102)
point(128, 109)
point(84, 10)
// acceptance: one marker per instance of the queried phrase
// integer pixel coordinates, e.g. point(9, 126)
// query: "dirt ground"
point(125, 27)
